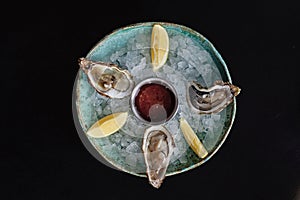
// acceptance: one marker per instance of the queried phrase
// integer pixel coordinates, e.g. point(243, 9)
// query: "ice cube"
point(182, 65)
point(131, 159)
point(106, 110)
point(173, 45)
point(133, 148)
point(183, 159)
point(125, 141)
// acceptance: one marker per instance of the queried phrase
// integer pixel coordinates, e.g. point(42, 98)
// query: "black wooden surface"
point(42, 154)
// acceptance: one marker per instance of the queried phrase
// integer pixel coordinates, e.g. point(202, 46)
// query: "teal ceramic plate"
point(191, 57)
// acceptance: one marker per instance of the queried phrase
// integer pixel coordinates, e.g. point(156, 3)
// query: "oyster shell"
point(107, 78)
point(211, 100)
point(158, 145)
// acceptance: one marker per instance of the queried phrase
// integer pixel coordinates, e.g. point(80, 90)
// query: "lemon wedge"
point(192, 139)
point(159, 46)
point(108, 125)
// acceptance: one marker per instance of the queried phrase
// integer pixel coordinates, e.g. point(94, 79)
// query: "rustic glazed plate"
point(191, 57)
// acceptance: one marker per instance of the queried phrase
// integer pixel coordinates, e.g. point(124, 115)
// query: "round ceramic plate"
point(191, 58)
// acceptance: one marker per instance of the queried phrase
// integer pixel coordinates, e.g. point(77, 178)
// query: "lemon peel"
point(108, 125)
point(159, 46)
point(192, 139)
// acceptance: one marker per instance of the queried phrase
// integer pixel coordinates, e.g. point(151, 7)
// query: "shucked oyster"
point(107, 78)
point(211, 100)
point(158, 145)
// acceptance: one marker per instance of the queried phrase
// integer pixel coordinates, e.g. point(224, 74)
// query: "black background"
point(42, 156)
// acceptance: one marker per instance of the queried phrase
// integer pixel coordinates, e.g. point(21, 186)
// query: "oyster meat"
point(107, 78)
point(158, 145)
point(211, 100)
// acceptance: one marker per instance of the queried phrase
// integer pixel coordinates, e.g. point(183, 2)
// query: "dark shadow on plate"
point(81, 133)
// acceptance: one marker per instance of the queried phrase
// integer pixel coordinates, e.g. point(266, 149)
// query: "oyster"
point(158, 145)
point(107, 78)
point(211, 100)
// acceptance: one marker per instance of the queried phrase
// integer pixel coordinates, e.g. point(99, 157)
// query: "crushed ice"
point(187, 61)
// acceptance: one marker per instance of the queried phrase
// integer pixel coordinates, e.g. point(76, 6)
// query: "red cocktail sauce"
point(155, 102)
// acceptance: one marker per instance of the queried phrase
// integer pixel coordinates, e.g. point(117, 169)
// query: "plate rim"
point(195, 34)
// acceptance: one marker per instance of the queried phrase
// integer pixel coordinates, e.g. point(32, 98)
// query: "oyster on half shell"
point(107, 78)
point(158, 145)
point(211, 100)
